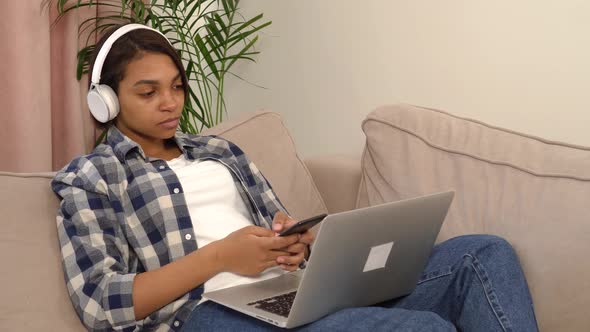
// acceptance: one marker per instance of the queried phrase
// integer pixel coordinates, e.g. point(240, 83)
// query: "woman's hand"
point(251, 250)
point(296, 251)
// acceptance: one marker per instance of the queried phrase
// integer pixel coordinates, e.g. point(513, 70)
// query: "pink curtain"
point(44, 121)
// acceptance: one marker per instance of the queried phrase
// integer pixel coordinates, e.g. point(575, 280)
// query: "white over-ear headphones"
point(102, 100)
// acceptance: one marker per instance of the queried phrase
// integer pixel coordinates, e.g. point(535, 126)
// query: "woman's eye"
point(147, 94)
point(179, 87)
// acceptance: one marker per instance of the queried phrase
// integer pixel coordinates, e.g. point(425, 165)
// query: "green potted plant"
point(210, 35)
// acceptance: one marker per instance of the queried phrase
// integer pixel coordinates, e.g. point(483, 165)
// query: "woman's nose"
point(169, 101)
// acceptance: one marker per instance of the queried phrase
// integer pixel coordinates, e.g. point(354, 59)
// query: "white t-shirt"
point(216, 210)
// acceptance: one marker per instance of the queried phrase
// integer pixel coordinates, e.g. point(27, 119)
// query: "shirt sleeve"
point(94, 251)
point(270, 199)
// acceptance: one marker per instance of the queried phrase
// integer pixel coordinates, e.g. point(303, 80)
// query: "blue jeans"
point(471, 283)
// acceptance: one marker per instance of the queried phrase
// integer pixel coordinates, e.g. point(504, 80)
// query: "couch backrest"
point(533, 192)
point(266, 140)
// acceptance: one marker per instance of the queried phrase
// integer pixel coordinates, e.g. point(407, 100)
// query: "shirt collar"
point(121, 144)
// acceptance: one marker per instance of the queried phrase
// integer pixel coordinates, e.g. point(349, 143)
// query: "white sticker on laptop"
point(378, 257)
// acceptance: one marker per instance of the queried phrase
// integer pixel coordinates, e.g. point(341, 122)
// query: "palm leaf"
point(207, 55)
point(83, 59)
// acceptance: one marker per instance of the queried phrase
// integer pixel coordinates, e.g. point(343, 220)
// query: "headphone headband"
point(106, 47)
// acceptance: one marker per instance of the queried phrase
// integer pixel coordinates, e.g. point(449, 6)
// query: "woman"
point(135, 210)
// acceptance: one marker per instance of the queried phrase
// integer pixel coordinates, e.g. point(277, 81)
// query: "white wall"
point(523, 65)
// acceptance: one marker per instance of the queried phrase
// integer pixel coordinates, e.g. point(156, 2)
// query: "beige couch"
point(533, 192)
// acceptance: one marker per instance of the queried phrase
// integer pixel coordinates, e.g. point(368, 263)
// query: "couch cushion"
point(533, 192)
point(34, 296)
point(266, 141)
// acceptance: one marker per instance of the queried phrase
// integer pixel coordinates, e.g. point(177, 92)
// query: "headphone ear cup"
point(111, 100)
point(103, 102)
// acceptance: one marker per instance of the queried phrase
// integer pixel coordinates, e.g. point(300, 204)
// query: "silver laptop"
point(359, 258)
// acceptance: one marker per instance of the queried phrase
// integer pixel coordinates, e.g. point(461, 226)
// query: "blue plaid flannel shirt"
point(122, 214)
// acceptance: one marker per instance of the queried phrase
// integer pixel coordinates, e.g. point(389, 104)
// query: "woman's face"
point(151, 97)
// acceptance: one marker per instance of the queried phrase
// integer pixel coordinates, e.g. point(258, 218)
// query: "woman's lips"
point(170, 123)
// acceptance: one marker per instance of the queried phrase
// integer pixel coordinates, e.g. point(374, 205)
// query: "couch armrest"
point(337, 178)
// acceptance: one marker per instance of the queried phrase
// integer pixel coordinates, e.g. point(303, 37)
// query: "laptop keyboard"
point(280, 304)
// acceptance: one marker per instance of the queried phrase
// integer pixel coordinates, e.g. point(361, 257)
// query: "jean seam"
point(490, 293)
point(435, 275)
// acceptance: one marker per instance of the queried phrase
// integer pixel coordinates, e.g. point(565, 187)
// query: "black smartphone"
point(303, 225)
